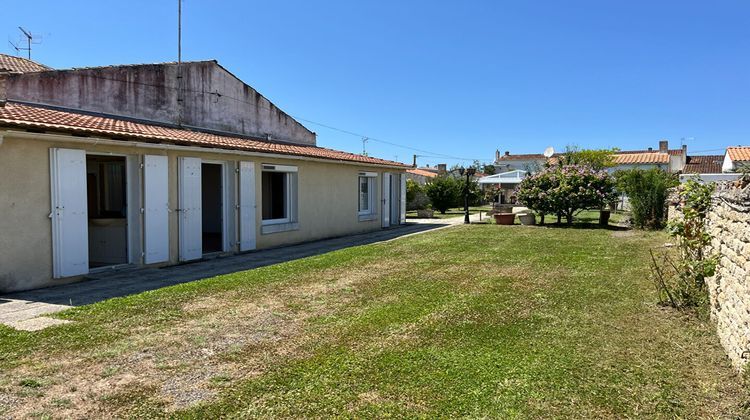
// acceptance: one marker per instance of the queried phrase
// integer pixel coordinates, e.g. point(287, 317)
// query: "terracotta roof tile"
point(703, 164)
point(532, 156)
point(739, 153)
point(421, 172)
point(37, 117)
point(9, 63)
point(641, 158)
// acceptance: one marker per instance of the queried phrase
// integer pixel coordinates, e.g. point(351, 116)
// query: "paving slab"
point(25, 310)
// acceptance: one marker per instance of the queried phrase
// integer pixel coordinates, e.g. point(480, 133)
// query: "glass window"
point(275, 197)
point(364, 194)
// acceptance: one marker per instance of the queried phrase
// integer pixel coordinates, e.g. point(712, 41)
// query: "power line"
point(328, 126)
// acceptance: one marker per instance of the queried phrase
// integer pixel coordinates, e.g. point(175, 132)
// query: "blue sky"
point(453, 78)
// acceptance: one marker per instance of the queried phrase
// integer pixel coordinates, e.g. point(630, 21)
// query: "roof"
point(670, 152)
point(532, 156)
point(511, 177)
point(421, 172)
point(703, 164)
point(14, 114)
point(641, 158)
point(9, 63)
point(739, 153)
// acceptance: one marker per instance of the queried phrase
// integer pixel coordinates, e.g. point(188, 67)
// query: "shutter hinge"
point(143, 210)
point(236, 170)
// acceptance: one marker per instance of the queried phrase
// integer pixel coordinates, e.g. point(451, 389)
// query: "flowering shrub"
point(564, 190)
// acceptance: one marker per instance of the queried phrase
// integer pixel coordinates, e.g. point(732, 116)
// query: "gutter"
point(165, 146)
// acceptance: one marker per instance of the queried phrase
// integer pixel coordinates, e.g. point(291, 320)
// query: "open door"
point(155, 209)
point(386, 200)
point(70, 248)
point(190, 211)
point(247, 206)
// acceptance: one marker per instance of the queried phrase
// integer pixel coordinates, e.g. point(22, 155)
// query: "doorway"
point(107, 204)
point(212, 204)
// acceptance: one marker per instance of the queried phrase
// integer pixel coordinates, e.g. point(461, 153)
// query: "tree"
point(444, 192)
point(416, 199)
point(596, 159)
point(647, 191)
point(564, 190)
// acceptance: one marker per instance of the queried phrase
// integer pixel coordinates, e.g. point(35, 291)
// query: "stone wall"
point(729, 288)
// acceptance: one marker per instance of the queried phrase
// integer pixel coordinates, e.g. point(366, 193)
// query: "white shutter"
point(386, 200)
point(156, 208)
point(70, 247)
point(190, 212)
point(247, 206)
point(402, 212)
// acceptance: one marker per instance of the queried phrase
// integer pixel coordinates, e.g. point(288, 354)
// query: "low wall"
point(729, 288)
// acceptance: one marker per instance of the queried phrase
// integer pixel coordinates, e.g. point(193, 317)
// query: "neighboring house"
point(736, 158)
point(671, 160)
point(506, 182)
point(421, 175)
point(706, 168)
point(126, 166)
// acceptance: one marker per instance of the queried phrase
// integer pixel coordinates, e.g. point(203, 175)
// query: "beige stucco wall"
point(327, 204)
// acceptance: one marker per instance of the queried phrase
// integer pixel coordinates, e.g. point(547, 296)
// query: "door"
point(386, 200)
point(70, 248)
point(155, 209)
point(190, 215)
point(402, 202)
point(247, 206)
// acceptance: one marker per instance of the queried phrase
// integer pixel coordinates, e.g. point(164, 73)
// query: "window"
point(366, 194)
point(275, 196)
point(278, 198)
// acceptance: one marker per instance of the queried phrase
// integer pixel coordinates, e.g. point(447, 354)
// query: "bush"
point(647, 191)
point(681, 281)
point(564, 190)
point(416, 199)
point(444, 192)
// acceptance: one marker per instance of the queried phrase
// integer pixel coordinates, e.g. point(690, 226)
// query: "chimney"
point(442, 168)
point(684, 149)
point(663, 146)
point(414, 162)
point(3, 91)
point(507, 153)
point(650, 149)
point(497, 155)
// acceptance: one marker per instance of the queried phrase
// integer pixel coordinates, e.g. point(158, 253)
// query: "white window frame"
point(289, 222)
point(371, 212)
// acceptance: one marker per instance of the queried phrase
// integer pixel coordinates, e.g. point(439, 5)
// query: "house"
point(706, 168)
point(506, 183)
point(670, 160)
point(158, 164)
point(421, 175)
point(736, 158)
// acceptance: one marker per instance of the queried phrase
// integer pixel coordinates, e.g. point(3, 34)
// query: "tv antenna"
point(364, 147)
point(29, 40)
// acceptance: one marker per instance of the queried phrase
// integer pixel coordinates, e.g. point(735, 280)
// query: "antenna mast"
point(29, 41)
point(179, 63)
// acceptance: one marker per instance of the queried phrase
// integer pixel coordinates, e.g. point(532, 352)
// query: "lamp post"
point(469, 172)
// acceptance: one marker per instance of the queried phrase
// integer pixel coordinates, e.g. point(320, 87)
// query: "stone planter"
point(527, 219)
point(504, 218)
point(426, 213)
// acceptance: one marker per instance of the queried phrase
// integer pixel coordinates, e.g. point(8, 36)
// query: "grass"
point(475, 321)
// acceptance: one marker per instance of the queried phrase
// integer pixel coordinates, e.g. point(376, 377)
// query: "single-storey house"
point(421, 175)
point(158, 164)
point(706, 168)
point(736, 158)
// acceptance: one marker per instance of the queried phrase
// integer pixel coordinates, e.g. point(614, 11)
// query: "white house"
point(736, 158)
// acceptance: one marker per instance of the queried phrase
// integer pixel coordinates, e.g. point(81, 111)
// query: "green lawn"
point(473, 320)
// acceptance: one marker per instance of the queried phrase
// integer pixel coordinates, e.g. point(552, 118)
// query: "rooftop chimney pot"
point(507, 153)
point(663, 146)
